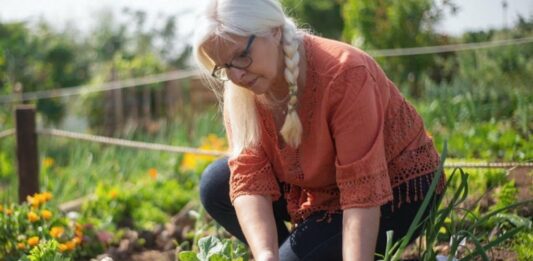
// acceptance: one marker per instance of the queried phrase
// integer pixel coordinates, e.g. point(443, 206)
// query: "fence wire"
point(90, 88)
point(129, 143)
point(177, 149)
point(448, 48)
point(6, 133)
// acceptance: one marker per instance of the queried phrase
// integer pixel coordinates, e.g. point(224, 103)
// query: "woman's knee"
point(214, 182)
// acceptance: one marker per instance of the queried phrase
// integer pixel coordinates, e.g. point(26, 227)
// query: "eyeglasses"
point(242, 61)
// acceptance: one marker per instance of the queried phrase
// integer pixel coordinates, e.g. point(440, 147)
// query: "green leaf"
point(187, 256)
point(208, 246)
point(218, 257)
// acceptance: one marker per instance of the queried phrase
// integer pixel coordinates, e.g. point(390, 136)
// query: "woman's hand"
point(359, 233)
point(256, 217)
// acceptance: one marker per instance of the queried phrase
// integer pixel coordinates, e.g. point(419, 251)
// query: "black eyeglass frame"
point(218, 68)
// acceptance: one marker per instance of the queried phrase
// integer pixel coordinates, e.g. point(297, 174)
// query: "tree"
point(323, 16)
point(388, 24)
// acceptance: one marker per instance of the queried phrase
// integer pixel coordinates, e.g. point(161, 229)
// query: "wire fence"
point(448, 48)
point(184, 149)
point(6, 133)
point(108, 86)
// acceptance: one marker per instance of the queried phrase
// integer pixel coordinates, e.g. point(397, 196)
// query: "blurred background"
point(123, 69)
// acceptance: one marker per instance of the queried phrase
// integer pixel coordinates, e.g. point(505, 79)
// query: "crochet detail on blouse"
point(259, 182)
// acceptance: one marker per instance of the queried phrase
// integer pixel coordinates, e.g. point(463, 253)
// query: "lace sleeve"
point(251, 172)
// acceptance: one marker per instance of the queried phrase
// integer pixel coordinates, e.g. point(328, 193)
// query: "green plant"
point(522, 245)
point(46, 251)
point(505, 196)
point(141, 205)
point(463, 225)
point(213, 249)
point(35, 229)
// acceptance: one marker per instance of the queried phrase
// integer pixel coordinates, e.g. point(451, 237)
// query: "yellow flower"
point(211, 142)
point(76, 241)
point(113, 193)
point(47, 196)
point(70, 245)
point(56, 232)
point(62, 247)
point(21, 246)
point(33, 241)
point(8, 211)
point(46, 214)
point(33, 201)
point(32, 217)
point(1, 207)
point(153, 173)
point(48, 162)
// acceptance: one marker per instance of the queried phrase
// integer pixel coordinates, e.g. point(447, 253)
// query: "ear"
point(277, 33)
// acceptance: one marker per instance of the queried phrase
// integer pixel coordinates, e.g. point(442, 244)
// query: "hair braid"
point(292, 127)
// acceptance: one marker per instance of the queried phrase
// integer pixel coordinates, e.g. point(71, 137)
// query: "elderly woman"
point(319, 136)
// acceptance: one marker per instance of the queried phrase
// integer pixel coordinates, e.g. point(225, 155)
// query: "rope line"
point(89, 88)
point(6, 133)
point(447, 48)
point(489, 165)
point(128, 143)
point(176, 149)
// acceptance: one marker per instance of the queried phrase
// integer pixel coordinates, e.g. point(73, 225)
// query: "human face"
point(264, 52)
point(241, 61)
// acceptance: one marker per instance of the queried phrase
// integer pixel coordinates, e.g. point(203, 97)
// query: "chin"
point(259, 88)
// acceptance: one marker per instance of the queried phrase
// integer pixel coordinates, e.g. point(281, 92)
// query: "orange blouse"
point(361, 138)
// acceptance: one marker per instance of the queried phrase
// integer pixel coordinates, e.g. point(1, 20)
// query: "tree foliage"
point(389, 24)
point(322, 16)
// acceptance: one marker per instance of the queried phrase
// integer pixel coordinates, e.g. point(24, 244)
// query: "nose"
point(236, 75)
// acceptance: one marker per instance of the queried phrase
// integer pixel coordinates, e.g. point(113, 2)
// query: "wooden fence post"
point(27, 155)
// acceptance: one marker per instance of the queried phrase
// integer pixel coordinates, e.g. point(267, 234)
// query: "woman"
point(319, 136)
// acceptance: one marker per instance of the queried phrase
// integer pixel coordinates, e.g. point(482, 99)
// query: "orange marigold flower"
point(47, 196)
point(70, 245)
point(78, 233)
point(32, 217)
point(153, 173)
point(46, 214)
point(21, 246)
point(56, 232)
point(62, 247)
point(40, 197)
point(76, 241)
point(33, 241)
point(33, 201)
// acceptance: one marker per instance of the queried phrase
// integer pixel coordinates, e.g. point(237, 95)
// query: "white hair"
point(243, 18)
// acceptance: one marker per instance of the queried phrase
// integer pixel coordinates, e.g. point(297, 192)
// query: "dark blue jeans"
point(310, 240)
